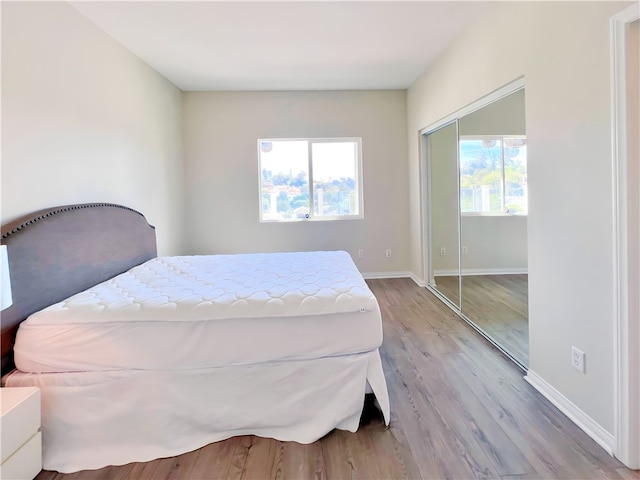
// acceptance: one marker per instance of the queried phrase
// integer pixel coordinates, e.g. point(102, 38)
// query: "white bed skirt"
point(94, 419)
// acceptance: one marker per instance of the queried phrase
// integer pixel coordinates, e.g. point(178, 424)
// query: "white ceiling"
point(293, 45)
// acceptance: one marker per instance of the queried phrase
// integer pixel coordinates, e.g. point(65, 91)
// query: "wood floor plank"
point(497, 304)
point(432, 371)
point(502, 412)
point(459, 410)
point(166, 469)
point(110, 473)
point(435, 447)
point(473, 419)
point(241, 446)
point(542, 433)
point(302, 462)
point(146, 470)
point(262, 459)
point(392, 452)
point(140, 471)
point(627, 474)
point(213, 461)
point(360, 454)
point(336, 463)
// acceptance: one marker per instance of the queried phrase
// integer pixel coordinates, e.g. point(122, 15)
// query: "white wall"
point(505, 116)
point(84, 120)
point(495, 244)
point(222, 211)
point(562, 49)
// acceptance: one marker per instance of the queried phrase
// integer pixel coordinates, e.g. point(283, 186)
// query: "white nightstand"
point(21, 446)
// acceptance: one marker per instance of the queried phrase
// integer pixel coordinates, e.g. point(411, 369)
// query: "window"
point(493, 175)
point(310, 179)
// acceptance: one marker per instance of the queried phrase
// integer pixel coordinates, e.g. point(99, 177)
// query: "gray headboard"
point(60, 251)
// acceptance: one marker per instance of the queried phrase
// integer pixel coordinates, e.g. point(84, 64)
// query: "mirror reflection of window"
point(493, 174)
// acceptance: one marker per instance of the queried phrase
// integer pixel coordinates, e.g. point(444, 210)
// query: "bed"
point(140, 357)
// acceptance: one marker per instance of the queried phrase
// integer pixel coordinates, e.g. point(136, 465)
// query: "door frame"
point(626, 327)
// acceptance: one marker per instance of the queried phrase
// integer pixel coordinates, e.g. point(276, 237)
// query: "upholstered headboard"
point(58, 252)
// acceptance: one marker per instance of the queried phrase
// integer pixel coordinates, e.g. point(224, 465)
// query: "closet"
point(475, 194)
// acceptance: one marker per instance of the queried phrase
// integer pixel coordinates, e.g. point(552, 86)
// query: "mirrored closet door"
point(476, 202)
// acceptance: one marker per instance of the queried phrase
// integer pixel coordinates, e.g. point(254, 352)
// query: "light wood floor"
point(498, 304)
point(460, 410)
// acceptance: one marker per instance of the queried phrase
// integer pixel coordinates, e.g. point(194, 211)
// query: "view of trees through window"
point(493, 175)
point(309, 179)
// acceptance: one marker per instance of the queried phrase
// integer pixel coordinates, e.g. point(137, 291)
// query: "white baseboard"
point(450, 272)
point(481, 271)
point(601, 436)
point(495, 271)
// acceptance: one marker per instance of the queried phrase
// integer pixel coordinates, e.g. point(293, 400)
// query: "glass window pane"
point(335, 166)
point(481, 176)
point(284, 168)
point(287, 167)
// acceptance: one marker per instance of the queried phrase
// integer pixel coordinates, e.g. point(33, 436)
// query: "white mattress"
point(207, 311)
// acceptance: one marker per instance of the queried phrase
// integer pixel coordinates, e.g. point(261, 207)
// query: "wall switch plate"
point(465, 250)
point(577, 359)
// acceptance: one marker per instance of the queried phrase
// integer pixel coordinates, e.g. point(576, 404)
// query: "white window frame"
point(311, 215)
point(504, 211)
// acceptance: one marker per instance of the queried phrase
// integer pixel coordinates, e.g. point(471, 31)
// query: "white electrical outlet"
point(577, 359)
point(443, 251)
point(360, 253)
point(388, 252)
